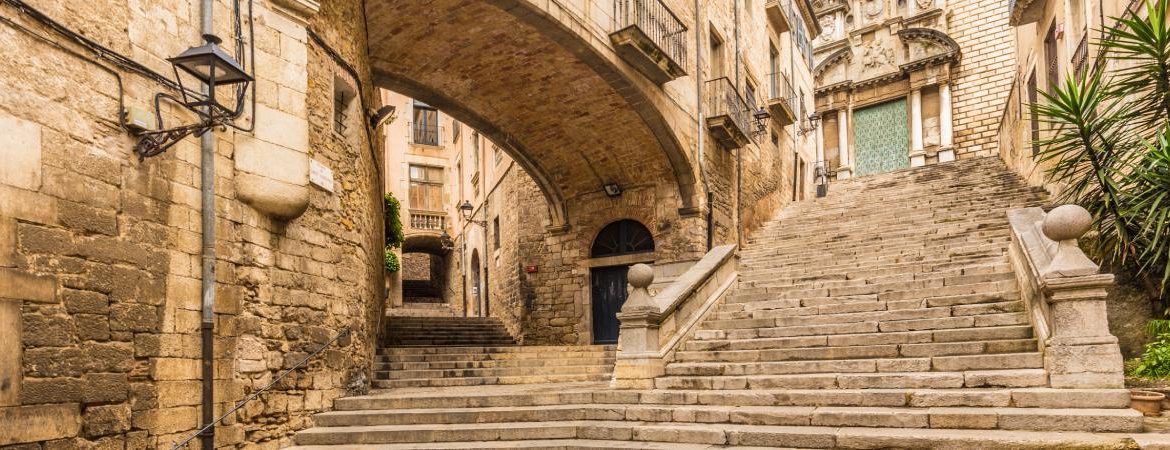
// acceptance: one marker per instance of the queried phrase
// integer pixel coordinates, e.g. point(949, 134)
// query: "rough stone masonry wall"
point(99, 253)
point(984, 77)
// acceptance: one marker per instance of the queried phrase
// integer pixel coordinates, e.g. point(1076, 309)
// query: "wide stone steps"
point(559, 360)
point(502, 380)
point(854, 360)
point(717, 340)
point(710, 434)
point(844, 380)
point(446, 331)
point(604, 368)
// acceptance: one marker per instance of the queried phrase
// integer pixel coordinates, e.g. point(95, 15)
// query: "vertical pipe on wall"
point(699, 122)
point(207, 282)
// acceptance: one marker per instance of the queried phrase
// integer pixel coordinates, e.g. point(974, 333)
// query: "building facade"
point(905, 84)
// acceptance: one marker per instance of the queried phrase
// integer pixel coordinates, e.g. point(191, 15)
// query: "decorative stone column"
point(846, 168)
point(638, 361)
point(1080, 353)
point(820, 146)
point(946, 152)
point(917, 153)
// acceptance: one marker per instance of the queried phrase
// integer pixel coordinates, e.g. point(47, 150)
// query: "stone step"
point(1036, 419)
point(478, 381)
point(559, 360)
point(789, 311)
point(867, 361)
point(893, 380)
point(541, 444)
point(844, 323)
point(710, 434)
point(717, 340)
point(534, 349)
point(493, 372)
point(991, 272)
point(579, 394)
point(917, 356)
point(471, 357)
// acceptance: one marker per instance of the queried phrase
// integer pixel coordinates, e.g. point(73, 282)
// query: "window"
point(1052, 58)
point(716, 56)
point(496, 231)
point(497, 155)
point(1033, 116)
point(801, 39)
point(425, 128)
point(426, 188)
point(749, 95)
point(343, 96)
point(773, 71)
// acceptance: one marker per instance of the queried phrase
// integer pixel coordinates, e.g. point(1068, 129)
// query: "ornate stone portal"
point(873, 52)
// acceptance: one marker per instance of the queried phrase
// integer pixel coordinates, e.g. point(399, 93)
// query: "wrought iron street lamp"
point(814, 122)
point(212, 67)
point(761, 117)
point(467, 210)
point(446, 241)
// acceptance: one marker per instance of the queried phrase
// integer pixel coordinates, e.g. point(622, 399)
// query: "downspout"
point(738, 151)
point(207, 216)
point(795, 139)
point(699, 122)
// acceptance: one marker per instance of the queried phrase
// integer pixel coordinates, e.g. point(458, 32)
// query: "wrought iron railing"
point(1080, 57)
point(428, 220)
point(780, 88)
point(659, 24)
point(724, 100)
point(344, 333)
point(426, 134)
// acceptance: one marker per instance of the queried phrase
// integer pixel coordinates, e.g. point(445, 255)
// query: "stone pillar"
point(917, 153)
point(946, 150)
point(820, 146)
point(638, 361)
point(1080, 353)
point(846, 167)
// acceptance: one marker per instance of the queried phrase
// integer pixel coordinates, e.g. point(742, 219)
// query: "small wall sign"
point(320, 176)
point(531, 269)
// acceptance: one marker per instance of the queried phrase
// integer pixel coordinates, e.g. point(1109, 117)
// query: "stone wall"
point(983, 78)
point(100, 253)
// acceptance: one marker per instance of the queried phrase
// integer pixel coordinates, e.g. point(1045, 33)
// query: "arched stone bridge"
point(541, 79)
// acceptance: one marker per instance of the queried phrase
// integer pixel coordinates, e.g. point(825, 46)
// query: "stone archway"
point(548, 92)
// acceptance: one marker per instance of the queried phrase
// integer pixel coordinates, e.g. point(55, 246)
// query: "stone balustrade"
point(652, 326)
point(1065, 296)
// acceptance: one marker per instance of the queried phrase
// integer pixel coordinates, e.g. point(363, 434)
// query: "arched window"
point(622, 238)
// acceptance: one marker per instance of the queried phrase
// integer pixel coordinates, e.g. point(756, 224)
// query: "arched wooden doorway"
point(608, 284)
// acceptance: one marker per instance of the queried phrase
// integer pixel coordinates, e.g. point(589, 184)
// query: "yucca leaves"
point(1109, 144)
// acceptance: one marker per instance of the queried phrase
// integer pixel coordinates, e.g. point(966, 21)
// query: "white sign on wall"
point(320, 175)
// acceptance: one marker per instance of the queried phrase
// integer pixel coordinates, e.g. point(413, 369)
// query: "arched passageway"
point(549, 92)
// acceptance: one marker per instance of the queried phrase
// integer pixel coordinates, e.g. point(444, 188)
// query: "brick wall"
point(983, 78)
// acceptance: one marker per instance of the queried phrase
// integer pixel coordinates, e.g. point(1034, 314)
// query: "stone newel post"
point(1081, 352)
point(638, 361)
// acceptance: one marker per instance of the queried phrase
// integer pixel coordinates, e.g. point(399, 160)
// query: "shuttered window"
point(426, 188)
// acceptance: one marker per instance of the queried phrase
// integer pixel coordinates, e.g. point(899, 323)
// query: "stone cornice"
point(299, 10)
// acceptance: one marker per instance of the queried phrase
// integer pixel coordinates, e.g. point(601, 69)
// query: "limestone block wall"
point(100, 253)
point(983, 78)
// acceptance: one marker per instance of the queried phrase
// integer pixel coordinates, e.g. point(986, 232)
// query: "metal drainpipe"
point(699, 121)
point(207, 215)
point(738, 151)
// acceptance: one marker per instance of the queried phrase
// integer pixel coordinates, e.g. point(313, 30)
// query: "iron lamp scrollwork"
point(212, 67)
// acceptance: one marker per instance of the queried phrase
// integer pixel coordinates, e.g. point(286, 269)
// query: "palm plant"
point(1110, 144)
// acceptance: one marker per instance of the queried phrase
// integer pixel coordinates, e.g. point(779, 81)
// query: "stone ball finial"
point(640, 276)
point(1067, 222)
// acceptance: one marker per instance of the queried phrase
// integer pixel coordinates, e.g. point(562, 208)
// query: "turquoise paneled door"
point(880, 139)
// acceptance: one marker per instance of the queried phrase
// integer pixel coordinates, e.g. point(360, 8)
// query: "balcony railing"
point(428, 220)
point(1080, 57)
point(426, 134)
point(781, 98)
point(650, 37)
point(728, 117)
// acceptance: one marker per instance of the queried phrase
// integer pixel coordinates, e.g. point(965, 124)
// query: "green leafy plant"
point(390, 260)
point(1155, 362)
point(1110, 145)
point(394, 236)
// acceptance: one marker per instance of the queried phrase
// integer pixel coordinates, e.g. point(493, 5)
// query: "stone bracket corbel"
point(299, 10)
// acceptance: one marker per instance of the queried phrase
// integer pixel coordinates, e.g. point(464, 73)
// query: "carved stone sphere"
point(640, 276)
point(1067, 222)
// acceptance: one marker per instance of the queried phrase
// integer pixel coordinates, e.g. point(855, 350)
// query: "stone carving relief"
point(924, 4)
point(828, 28)
point(873, 8)
point(875, 56)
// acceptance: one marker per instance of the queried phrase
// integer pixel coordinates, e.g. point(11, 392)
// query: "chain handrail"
point(344, 332)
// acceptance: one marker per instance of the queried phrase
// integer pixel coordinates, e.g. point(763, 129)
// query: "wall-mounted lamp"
point(213, 67)
point(466, 209)
point(445, 242)
point(381, 115)
point(613, 189)
point(761, 117)
point(814, 121)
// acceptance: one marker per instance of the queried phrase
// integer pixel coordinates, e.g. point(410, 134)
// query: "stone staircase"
point(471, 351)
point(885, 315)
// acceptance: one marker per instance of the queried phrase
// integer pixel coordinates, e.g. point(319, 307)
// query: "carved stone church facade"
point(892, 89)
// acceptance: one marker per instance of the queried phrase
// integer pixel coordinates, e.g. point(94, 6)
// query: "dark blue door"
point(609, 293)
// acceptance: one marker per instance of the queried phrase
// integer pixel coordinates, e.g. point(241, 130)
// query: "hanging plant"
point(390, 260)
point(393, 219)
